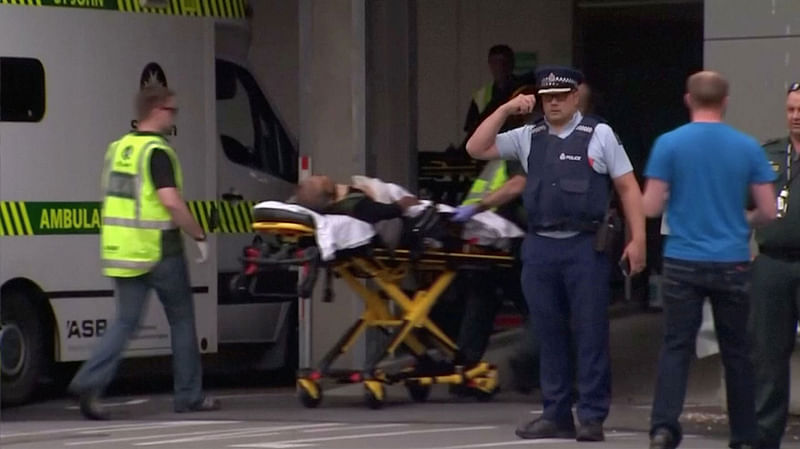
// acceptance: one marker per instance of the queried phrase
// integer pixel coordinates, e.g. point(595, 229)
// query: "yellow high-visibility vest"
point(133, 218)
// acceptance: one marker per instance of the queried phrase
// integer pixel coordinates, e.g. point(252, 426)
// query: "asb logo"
point(152, 75)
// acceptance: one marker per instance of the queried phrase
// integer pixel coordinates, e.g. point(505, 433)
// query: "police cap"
point(557, 79)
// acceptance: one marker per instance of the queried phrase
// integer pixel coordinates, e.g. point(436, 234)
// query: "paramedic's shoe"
point(207, 404)
point(91, 408)
point(592, 431)
point(543, 428)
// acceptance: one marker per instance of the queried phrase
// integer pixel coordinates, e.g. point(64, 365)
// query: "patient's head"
point(316, 192)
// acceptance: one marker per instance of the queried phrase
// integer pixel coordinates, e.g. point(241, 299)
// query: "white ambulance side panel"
point(93, 62)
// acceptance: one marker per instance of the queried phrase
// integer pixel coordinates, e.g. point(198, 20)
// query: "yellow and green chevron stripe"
point(21, 218)
point(196, 8)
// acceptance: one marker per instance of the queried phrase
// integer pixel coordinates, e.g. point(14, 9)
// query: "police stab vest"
point(563, 192)
point(133, 218)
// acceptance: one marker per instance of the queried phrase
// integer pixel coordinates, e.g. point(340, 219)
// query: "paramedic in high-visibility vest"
point(486, 99)
point(142, 249)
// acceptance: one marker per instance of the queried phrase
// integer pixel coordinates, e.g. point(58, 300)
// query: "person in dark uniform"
point(775, 294)
point(569, 159)
point(484, 294)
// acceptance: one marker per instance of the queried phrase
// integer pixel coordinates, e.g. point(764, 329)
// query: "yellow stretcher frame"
point(387, 269)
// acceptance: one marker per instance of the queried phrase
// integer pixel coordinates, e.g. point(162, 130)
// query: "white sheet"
point(334, 232)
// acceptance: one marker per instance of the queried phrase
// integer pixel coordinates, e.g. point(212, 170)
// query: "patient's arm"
point(372, 211)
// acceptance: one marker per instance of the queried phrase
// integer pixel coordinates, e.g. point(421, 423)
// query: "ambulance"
point(69, 70)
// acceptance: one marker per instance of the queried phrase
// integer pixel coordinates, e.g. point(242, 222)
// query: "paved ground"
point(255, 417)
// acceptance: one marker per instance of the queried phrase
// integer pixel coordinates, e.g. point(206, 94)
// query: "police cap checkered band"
point(557, 79)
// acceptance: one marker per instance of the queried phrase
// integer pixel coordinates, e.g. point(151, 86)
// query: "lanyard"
point(789, 163)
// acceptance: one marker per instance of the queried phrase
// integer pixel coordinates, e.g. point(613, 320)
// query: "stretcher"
point(292, 236)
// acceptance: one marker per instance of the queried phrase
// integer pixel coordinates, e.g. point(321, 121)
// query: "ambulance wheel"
point(374, 394)
point(418, 393)
point(309, 393)
point(22, 347)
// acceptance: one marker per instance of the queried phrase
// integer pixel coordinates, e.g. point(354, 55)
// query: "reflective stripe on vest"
point(492, 177)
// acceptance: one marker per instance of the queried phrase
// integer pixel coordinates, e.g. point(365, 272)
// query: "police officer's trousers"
point(566, 284)
point(774, 310)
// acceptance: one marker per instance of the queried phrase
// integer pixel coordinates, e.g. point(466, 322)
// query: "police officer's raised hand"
point(520, 105)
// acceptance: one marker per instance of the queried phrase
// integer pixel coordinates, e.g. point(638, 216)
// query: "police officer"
point(569, 159)
point(142, 249)
point(775, 303)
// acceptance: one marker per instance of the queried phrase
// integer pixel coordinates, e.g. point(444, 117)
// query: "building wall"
point(454, 37)
point(756, 49)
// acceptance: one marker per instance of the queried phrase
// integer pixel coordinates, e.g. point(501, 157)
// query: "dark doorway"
point(636, 55)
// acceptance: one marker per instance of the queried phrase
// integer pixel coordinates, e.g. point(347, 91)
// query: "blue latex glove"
point(464, 213)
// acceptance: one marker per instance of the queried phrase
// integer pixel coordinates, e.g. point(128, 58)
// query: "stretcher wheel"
point(485, 386)
point(309, 393)
point(418, 393)
point(486, 396)
point(374, 394)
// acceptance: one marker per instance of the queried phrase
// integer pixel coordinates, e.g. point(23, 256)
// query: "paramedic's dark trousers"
point(566, 284)
point(484, 293)
point(170, 279)
point(686, 285)
point(774, 309)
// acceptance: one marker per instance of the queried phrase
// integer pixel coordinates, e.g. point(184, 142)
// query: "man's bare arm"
point(631, 197)
point(482, 143)
point(655, 195)
point(766, 207)
point(510, 190)
point(171, 198)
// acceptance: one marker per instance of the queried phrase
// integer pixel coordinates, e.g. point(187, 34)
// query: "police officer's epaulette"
point(771, 141)
point(602, 120)
point(538, 126)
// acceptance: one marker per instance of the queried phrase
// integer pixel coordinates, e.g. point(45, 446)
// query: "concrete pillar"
point(333, 132)
point(391, 91)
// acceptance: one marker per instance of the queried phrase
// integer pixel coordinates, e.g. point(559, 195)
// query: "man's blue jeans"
point(686, 286)
point(170, 279)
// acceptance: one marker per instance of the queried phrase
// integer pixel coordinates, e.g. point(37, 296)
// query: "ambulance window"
point(250, 132)
point(21, 90)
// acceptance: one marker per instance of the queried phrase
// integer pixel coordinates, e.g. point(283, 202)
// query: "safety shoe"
point(543, 428)
point(592, 431)
point(207, 404)
point(662, 439)
point(91, 408)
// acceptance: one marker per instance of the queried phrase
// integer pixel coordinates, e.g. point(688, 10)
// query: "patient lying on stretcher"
point(393, 219)
point(386, 205)
point(320, 194)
